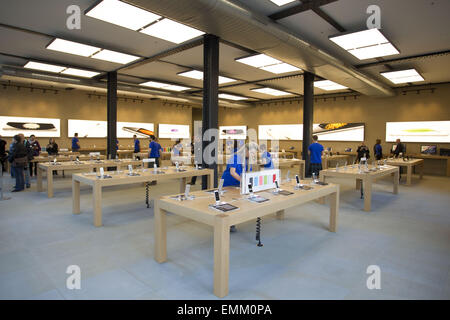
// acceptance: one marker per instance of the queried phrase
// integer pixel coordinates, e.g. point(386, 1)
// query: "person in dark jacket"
point(36, 148)
point(363, 152)
point(378, 150)
point(52, 147)
point(3, 155)
point(18, 159)
point(399, 148)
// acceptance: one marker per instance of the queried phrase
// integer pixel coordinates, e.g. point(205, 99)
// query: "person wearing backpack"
point(18, 159)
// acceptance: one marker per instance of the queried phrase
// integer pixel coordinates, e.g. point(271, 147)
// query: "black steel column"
point(112, 114)
point(308, 106)
point(210, 97)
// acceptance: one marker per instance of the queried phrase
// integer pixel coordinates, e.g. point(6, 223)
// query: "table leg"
point(221, 255)
point(182, 185)
point(358, 184)
point(421, 169)
point(97, 201)
point(160, 234)
point(75, 196)
point(50, 183)
point(408, 175)
point(396, 181)
point(280, 214)
point(334, 209)
point(324, 163)
point(211, 181)
point(367, 183)
point(302, 170)
point(39, 179)
point(322, 178)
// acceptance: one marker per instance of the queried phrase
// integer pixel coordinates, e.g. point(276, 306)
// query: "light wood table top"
point(66, 158)
point(198, 210)
point(409, 164)
point(122, 178)
point(47, 169)
point(363, 179)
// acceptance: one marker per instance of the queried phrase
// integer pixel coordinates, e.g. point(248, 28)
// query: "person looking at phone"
point(75, 143)
point(363, 152)
point(315, 152)
point(137, 144)
point(52, 147)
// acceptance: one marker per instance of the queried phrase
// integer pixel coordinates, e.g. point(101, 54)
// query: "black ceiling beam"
point(328, 19)
point(304, 6)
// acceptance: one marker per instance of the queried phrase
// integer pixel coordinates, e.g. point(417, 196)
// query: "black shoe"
point(28, 186)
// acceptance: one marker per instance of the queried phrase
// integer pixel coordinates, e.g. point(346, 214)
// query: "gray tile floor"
point(406, 235)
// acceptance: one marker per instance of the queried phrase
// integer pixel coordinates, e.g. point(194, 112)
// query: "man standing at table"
point(315, 153)
point(137, 144)
point(75, 143)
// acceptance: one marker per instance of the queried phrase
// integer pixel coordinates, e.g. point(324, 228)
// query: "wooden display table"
point(409, 164)
point(363, 179)
point(60, 153)
point(335, 157)
point(66, 158)
point(287, 163)
point(145, 175)
point(49, 168)
point(91, 149)
point(434, 157)
point(199, 211)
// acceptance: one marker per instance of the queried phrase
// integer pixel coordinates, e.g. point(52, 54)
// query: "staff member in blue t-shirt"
point(266, 158)
point(378, 150)
point(154, 150)
point(75, 143)
point(233, 171)
point(315, 152)
point(137, 144)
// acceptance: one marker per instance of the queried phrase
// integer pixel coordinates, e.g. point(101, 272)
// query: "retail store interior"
point(127, 91)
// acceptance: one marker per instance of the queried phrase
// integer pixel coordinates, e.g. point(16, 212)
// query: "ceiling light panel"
point(165, 86)
point(231, 97)
point(272, 92)
point(80, 73)
point(72, 47)
point(282, 2)
point(366, 44)
point(403, 76)
point(122, 14)
point(43, 67)
point(328, 85)
point(172, 31)
point(198, 75)
point(280, 68)
point(259, 60)
point(113, 56)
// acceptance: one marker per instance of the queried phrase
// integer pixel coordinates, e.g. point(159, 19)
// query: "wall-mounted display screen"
point(418, 131)
point(280, 132)
point(337, 131)
point(173, 131)
point(40, 127)
point(99, 129)
point(233, 132)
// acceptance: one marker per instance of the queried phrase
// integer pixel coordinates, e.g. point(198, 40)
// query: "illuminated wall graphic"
point(233, 132)
point(418, 131)
point(40, 127)
point(173, 131)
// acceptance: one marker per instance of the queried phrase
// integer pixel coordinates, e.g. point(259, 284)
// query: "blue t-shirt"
point(155, 146)
point(316, 150)
point(267, 157)
point(137, 146)
point(74, 143)
point(378, 150)
point(117, 144)
point(234, 162)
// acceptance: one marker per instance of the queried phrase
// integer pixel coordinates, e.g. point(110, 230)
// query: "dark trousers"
point(20, 178)
point(156, 161)
point(33, 168)
point(315, 168)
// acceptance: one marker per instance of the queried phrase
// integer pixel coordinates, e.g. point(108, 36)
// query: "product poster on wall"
point(233, 132)
point(141, 130)
point(336, 131)
point(40, 127)
point(173, 131)
point(99, 129)
point(418, 131)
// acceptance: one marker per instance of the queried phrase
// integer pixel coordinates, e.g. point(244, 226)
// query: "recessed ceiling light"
point(43, 67)
point(403, 76)
point(328, 85)
point(122, 14)
point(366, 44)
point(172, 31)
point(270, 91)
point(231, 97)
point(165, 86)
point(72, 47)
point(198, 75)
point(280, 68)
point(282, 2)
point(80, 73)
point(113, 56)
point(259, 60)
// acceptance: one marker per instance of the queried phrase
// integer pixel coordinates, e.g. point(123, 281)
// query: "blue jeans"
point(20, 178)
